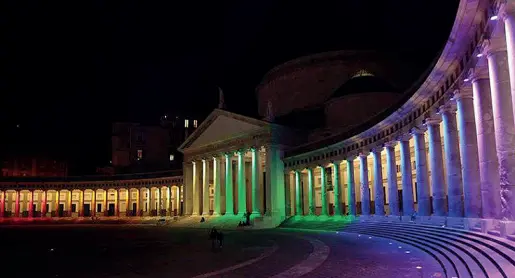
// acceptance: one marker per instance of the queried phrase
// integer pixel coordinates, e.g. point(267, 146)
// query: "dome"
point(363, 82)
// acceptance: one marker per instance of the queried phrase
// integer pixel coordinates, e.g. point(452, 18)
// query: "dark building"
point(34, 167)
point(145, 148)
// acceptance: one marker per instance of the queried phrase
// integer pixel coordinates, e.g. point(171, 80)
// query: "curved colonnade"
point(446, 156)
point(151, 194)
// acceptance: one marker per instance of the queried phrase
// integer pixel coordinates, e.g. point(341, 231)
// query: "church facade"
point(442, 152)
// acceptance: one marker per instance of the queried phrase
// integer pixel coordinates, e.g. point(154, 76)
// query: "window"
point(186, 123)
point(140, 154)
point(195, 123)
point(172, 157)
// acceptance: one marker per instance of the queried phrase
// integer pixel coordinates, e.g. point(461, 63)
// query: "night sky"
point(71, 68)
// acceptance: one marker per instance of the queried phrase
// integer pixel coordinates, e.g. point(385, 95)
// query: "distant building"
point(142, 148)
point(34, 167)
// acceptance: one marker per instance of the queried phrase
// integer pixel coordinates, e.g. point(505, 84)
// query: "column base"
point(507, 227)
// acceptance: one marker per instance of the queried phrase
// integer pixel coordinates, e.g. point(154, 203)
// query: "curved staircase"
point(461, 253)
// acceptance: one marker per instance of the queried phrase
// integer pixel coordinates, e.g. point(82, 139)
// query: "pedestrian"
point(213, 236)
point(220, 238)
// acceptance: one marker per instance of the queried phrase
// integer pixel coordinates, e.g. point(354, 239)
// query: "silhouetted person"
point(414, 216)
point(202, 220)
point(213, 236)
point(220, 237)
point(247, 223)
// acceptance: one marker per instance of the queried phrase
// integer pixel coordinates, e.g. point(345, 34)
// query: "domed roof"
point(363, 82)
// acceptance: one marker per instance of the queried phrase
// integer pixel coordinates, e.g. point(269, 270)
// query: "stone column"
point(242, 186)
point(407, 176)
point(57, 202)
point(69, 203)
point(436, 162)
point(310, 192)
point(488, 164)
point(216, 185)
point(104, 202)
point(323, 191)
point(276, 195)
point(351, 190)
point(391, 173)
point(229, 195)
point(337, 189)
point(378, 182)
point(469, 152)
point(452, 160)
point(17, 205)
point(298, 206)
point(2, 203)
point(93, 202)
point(509, 30)
point(117, 202)
point(179, 210)
point(363, 179)
point(168, 206)
point(31, 203)
point(255, 181)
point(196, 190)
point(504, 127)
point(138, 201)
point(80, 208)
point(43, 203)
point(423, 195)
point(205, 187)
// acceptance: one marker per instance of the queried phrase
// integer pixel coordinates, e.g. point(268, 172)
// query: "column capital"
point(351, 158)
point(390, 144)
point(464, 92)
point(377, 149)
point(449, 107)
point(477, 73)
point(418, 130)
point(404, 137)
point(338, 162)
point(493, 45)
point(363, 154)
point(433, 120)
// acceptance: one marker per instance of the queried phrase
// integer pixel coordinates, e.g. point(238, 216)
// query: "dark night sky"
point(71, 68)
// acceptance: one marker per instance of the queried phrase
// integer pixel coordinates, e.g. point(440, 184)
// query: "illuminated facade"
point(152, 194)
point(34, 167)
point(445, 149)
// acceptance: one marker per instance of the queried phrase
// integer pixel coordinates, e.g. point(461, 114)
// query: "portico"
point(233, 166)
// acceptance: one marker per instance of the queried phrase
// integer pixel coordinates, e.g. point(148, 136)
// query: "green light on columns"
point(216, 184)
point(323, 190)
point(196, 199)
point(229, 196)
point(242, 194)
point(336, 188)
point(351, 194)
point(255, 182)
point(310, 192)
point(205, 187)
point(298, 207)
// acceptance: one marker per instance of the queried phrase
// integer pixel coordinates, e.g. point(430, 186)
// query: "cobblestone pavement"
point(150, 251)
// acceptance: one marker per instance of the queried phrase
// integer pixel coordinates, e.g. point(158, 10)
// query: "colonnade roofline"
point(138, 180)
point(445, 75)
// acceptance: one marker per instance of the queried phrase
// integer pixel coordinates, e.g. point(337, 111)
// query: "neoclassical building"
point(442, 150)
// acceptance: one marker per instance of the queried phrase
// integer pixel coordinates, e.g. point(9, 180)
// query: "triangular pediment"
point(220, 126)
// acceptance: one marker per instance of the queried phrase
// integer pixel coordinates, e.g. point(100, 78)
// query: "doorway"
point(87, 210)
point(110, 211)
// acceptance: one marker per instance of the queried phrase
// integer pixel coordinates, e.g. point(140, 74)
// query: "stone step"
point(491, 258)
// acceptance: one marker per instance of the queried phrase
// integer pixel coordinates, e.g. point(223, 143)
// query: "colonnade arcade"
point(447, 153)
point(147, 197)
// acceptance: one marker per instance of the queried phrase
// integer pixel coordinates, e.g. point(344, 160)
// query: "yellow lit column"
point(80, 208)
point(178, 198)
point(138, 202)
point(169, 200)
point(31, 203)
point(93, 202)
point(17, 205)
point(57, 201)
point(128, 202)
point(43, 203)
point(69, 203)
point(158, 203)
point(117, 202)
point(104, 202)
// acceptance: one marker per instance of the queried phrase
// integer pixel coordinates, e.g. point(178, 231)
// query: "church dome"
point(363, 82)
